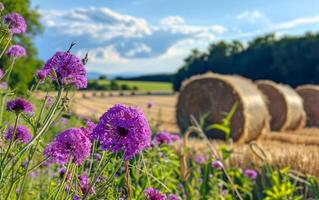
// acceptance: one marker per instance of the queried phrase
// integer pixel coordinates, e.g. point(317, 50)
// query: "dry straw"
point(213, 95)
point(310, 96)
point(284, 104)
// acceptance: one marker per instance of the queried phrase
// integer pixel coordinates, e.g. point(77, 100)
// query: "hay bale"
point(284, 105)
point(214, 95)
point(310, 96)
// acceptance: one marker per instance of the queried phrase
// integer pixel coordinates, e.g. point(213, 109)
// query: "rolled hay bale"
point(213, 95)
point(310, 96)
point(285, 106)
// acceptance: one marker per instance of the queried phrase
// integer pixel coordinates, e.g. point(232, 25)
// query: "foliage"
point(290, 60)
point(25, 68)
point(128, 85)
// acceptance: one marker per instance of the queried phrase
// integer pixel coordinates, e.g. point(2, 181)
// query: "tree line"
point(292, 60)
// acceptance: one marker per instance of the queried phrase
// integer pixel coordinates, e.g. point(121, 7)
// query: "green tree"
point(24, 68)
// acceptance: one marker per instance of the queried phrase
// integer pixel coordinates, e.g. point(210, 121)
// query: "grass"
point(143, 85)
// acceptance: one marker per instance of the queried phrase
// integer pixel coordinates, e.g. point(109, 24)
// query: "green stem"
point(64, 179)
point(32, 152)
point(9, 70)
point(12, 139)
point(92, 158)
point(2, 37)
point(127, 180)
point(96, 176)
point(10, 190)
point(5, 47)
point(2, 106)
point(42, 130)
point(107, 183)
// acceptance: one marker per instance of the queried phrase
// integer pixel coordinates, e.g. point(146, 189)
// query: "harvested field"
point(300, 157)
point(296, 149)
point(162, 111)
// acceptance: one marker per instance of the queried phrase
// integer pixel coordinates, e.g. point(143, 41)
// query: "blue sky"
point(153, 36)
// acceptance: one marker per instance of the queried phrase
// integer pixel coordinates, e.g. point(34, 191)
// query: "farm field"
point(282, 148)
point(163, 110)
point(142, 85)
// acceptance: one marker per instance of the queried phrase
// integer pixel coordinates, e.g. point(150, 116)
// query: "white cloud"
point(297, 22)
point(219, 29)
point(252, 17)
point(96, 23)
point(138, 48)
point(172, 20)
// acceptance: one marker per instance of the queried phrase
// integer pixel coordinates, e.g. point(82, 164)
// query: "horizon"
point(133, 37)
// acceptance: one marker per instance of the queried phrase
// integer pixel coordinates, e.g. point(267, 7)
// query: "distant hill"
point(92, 75)
point(152, 77)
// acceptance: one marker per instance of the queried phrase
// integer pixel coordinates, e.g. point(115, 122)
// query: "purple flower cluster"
point(3, 85)
point(16, 51)
point(69, 69)
point(124, 129)
point(19, 105)
point(70, 144)
point(41, 74)
point(150, 105)
point(216, 164)
point(251, 174)
point(164, 138)
point(84, 182)
point(22, 134)
point(16, 23)
point(200, 159)
point(173, 197)
point(153, 194)
point(88, 130)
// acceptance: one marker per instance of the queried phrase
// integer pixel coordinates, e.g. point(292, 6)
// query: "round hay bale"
point(214, 95)
point(284, 105)
point(310, 96)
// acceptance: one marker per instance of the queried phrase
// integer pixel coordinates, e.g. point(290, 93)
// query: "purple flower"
point(97, 156)
point(200, 180)
point(150, 105)
point(49, 100)
point(153, 194)
point(69, 69)
point(164, 138)
point(42, 74)
point(175, 137)
point(70, 144)
point(25, 163)
point(84, 182)
point(16, 23)
point(251, 174)
point(1, 73)
point(63, 121)
point(16, 51)
point(22, 134)
point(124, 129)
point(200, 159)
point(19, 105)
point(216, 164)
point(173, 197)
point(88, 130)
point(62, 172)
point(75, 197)
point(3, 85)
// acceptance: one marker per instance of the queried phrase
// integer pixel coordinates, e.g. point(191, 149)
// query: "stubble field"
point(297, 149)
